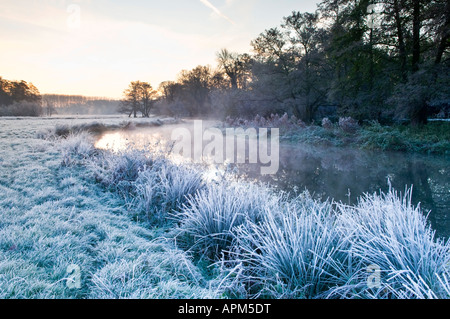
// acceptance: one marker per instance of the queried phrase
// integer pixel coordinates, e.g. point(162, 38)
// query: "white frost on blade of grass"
point(163, 188)
point(118, 172)
point(310, 250)
point(157, 274)
point(209, 218)
point(388, 231)
point(76, 148)
point(287, 255)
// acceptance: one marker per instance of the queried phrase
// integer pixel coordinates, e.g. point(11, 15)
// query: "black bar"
point(167, 309)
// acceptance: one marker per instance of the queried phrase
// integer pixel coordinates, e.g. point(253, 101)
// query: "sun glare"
point(112, 141)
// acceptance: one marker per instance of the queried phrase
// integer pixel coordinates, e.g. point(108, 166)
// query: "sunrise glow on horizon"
point(95, 48)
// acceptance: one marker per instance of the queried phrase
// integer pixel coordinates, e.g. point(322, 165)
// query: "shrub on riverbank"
point(433, 138)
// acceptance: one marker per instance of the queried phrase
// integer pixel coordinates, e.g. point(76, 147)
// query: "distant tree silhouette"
point(138, 97)
point(78, 104)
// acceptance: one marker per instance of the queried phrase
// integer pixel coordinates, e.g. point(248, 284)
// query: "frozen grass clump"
point(164, 187)
point(308, 249)
point(326, 123)
point(289, 254)
point(76, 148)
point(46, 134)
point(209, 219)
point(416, 288)
point(146, 181)
point(389, 232)
point(118, 172)
point(149, 183)
point(348, 124)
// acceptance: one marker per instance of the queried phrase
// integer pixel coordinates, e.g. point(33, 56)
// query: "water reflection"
point(341, 174)
point(119, 141)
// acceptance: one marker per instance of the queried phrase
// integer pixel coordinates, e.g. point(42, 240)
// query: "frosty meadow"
point(237, 145)
point(133, 224)
point(225, 150)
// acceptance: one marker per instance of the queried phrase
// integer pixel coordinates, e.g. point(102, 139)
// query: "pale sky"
point(96, 48)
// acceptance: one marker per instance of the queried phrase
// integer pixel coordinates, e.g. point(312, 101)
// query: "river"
point(342, 174)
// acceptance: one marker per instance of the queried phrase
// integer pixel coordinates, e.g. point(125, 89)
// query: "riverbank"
point(432, 138)
point(260, 243)
point(139, 226)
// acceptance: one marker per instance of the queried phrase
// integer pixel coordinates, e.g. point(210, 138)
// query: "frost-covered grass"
point(140, 226)
point(392, 234)
point(76, 148)
point(148, 183)
point(312, 250)
point(291, 253)
point(210, 217)
point(165, 188)
point(52, 215)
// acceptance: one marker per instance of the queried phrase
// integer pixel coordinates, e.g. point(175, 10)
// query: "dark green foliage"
point(431, 138)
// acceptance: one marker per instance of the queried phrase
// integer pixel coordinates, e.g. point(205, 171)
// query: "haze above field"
point(115, 42)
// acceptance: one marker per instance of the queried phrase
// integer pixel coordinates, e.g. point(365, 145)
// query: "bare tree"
point(236, 67)
point(138, 97)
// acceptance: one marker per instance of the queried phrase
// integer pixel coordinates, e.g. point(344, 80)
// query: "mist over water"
point(342, 174)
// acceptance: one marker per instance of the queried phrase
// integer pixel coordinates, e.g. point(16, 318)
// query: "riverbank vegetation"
point(235, 239)
point(432, 138)
point(368, 74)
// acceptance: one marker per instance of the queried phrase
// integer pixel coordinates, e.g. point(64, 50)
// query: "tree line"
point(19, 98)
point(63, 104)
point(381, 60)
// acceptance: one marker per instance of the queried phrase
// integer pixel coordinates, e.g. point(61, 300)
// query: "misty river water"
point(342, 174)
